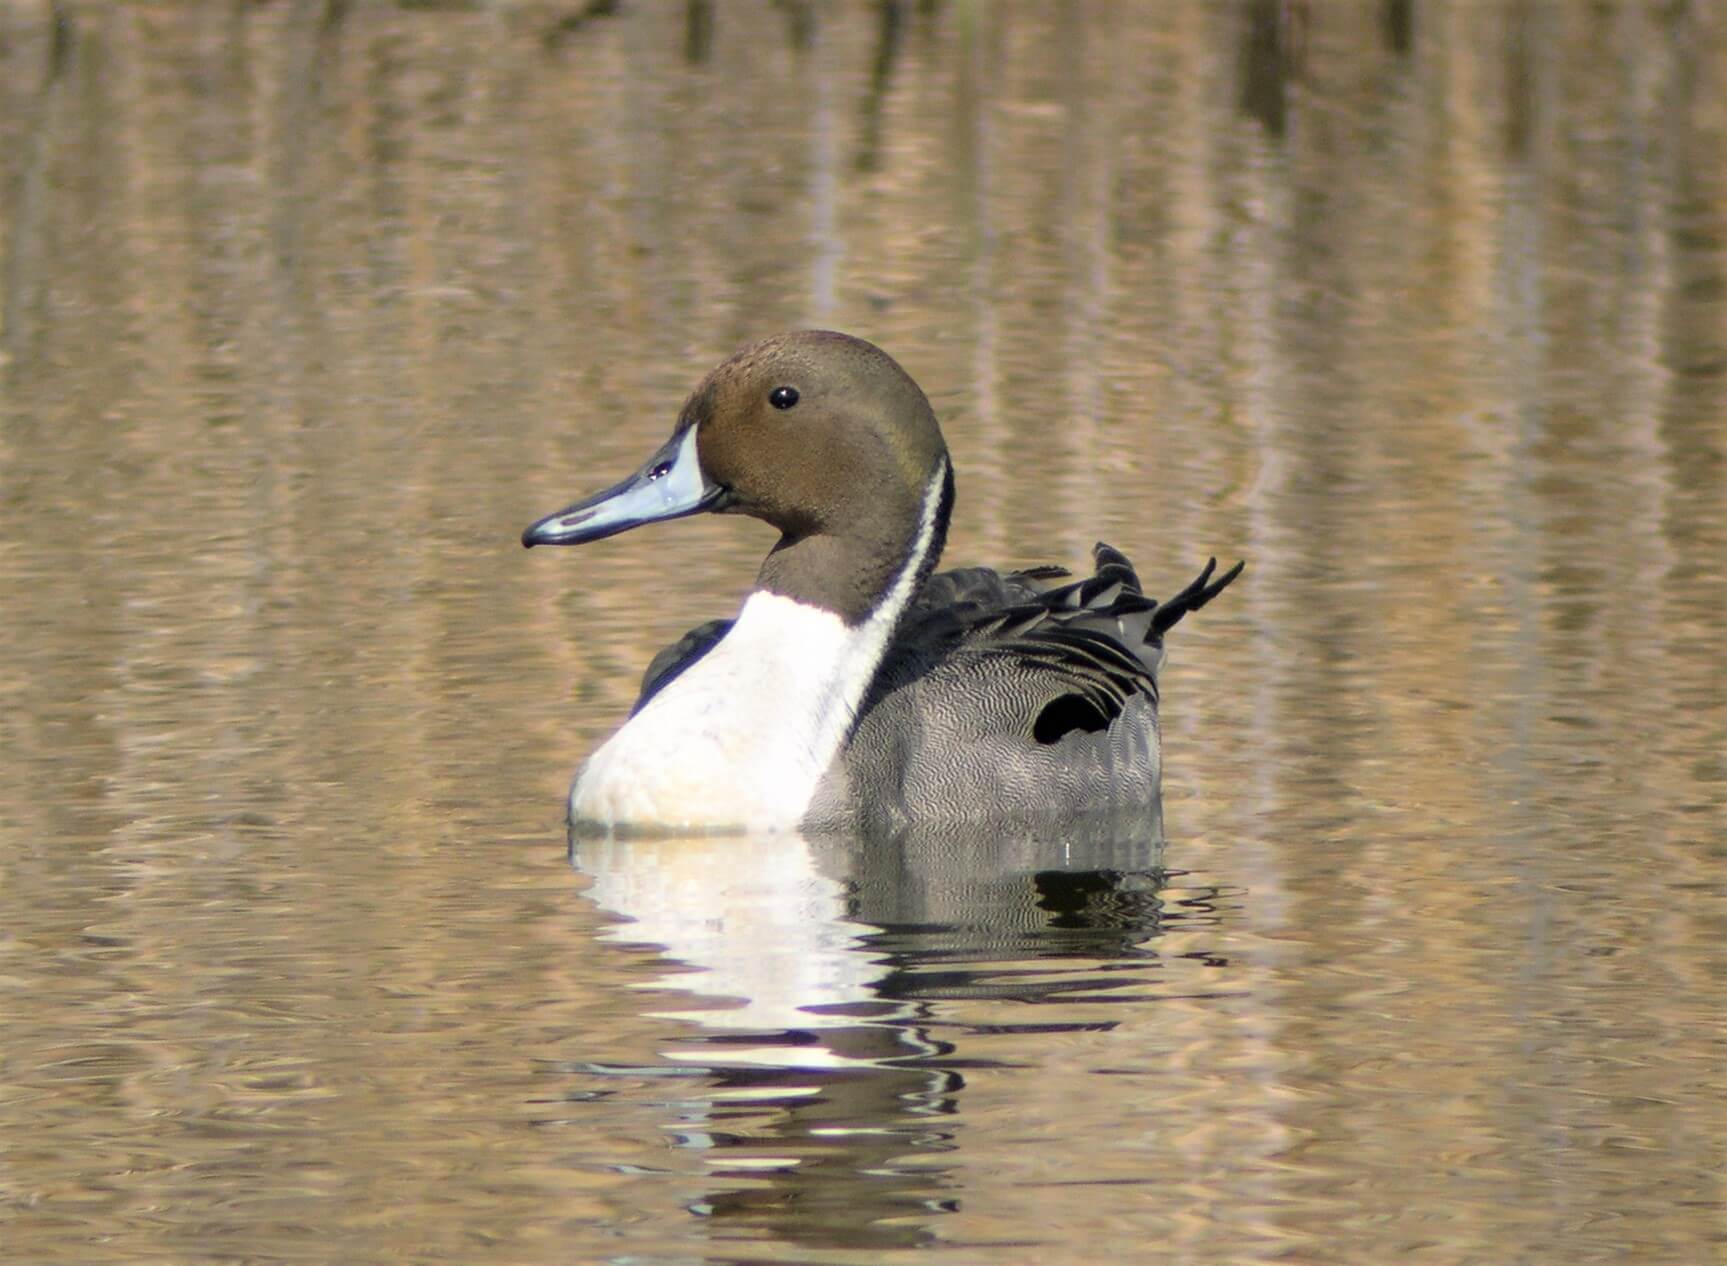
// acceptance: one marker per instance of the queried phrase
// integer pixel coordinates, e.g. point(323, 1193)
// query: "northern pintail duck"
point(856, 690)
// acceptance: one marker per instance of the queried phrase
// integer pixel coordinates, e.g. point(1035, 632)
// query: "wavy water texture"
point(306, 309)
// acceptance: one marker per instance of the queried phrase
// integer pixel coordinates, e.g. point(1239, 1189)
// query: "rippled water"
point(306, 309)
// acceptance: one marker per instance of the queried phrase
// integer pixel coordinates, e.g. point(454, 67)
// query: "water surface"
point(306, 309)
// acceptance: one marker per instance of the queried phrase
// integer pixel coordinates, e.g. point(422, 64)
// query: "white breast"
point(740, 739)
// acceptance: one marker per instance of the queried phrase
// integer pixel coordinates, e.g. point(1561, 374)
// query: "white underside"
point(740, 740)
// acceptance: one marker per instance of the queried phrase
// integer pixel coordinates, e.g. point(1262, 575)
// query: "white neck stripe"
point(899, 594)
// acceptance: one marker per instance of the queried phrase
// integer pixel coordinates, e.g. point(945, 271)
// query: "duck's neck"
point(856, 593)
point(744, 736)
point(870, 573)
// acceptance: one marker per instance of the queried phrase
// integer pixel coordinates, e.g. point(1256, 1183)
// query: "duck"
point(857, 689)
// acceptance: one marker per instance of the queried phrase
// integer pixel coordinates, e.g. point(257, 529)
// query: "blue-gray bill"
point(670, 486)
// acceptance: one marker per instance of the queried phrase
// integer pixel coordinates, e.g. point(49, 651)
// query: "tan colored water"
point(308, 309)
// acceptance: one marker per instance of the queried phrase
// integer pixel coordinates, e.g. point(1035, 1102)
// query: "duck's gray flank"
point(856, 690)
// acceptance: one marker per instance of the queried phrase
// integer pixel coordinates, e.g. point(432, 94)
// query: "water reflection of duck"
point(854, 689)
point(825, 990)
point(821, 936)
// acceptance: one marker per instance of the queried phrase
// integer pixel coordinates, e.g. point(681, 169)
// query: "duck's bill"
point(670, 486)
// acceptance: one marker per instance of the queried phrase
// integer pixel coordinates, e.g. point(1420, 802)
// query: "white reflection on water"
point(763, 931)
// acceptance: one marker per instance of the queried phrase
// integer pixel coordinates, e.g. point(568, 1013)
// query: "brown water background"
point(307, 308)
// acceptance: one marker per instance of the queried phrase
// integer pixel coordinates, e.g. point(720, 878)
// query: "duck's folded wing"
point(665, 667)
point(1100, 637)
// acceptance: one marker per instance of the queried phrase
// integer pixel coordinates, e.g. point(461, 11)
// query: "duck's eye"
point(660, 471)
point(783, 397)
